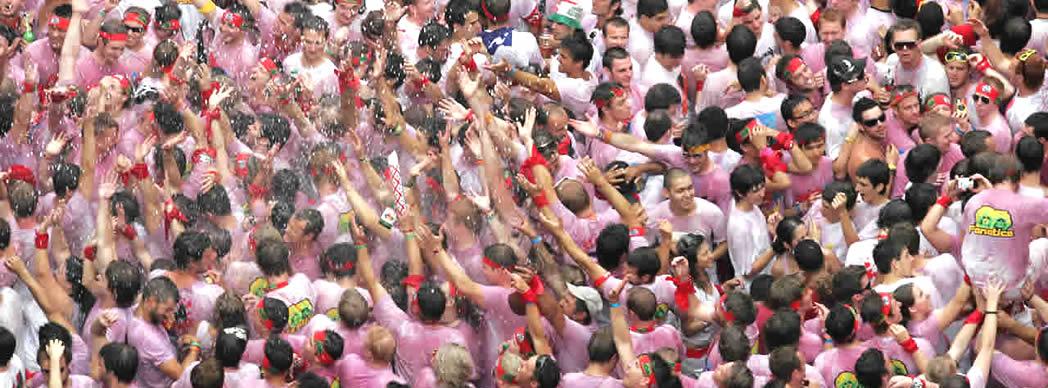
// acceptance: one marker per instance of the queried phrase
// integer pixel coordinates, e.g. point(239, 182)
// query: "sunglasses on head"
point(982, 99)
point(1025, 54)
point(904, 45)
point(956, 56)
point(874, 121)
point(136, 29)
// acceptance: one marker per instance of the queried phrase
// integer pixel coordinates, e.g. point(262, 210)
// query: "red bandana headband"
point(323, 357)
point(135, 17)
point(936, 100)
point(897, 99)
point(170, 25)
point(269, 65)
point(886, 304)
point(491, 263)
point(520, 337)
point(987, 90)
point(793, 66)
point(266, 322)
point(58, 23)
point(644, 361)
point(738, 12)
point(113, 37)
point(615, 92)
point(744, 134)
point(489, 15)
point(233, 18)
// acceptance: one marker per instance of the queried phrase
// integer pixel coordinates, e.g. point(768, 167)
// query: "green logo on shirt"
point(992, 222)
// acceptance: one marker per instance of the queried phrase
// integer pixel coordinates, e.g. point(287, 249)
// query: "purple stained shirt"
point(572, 355)
point(154, 348)
point(1013, 373)
point(255, 350)
point(421, 338)
point(1002, 133)
point(896, 135)
point(902, 362)
point(706, 219)
point(354, 371)
point(759, 365)
point(307, 261)
point(997, 225)
point(711, 185)
point(89, 71)
point(328, 294)
point(580, 379)
point(804, 185)
point(837, 365)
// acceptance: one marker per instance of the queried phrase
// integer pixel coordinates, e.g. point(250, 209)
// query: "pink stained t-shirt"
point(352, 338)
point(1013, 373)
point(760, 366)
point(328, 294)
point(706, 219)
point(711, 185)
point(715, 91)
point(837, 365)
point(803, 186)
point(335, 210)
point(306, 262)
point(354, 371)
point(299, 296)
point(154, 349)
point(663, 336)
point(237, 59)
point(255, 350)
point(572, 354)
point(580, 379)
point(422, 338)
point(902, 362)
point(89, 71)
point(997, 226)
point(1002, 133)
point(896, 135)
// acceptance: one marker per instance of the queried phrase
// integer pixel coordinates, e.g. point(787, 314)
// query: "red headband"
point(233, 18)
point(323, 357)
point(615, 92)
point(744, 134)
point(59, 23)
point(268, 64)
point(902, 96)
point(172, 25)
point(491, 264)
point(520, 336)
point(113, 37)
point(793, 66)
point(489, 15)
point(728, 315)
point(21, 173)
point(136, 18)
point(738, 12)
point(886, 304)
point(987, 90)
point(938, 99)
point(644, 360)
point(266, 322)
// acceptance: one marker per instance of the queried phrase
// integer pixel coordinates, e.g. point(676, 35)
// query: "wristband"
point(409, 236)
point(140, 171)
point(976, 317)
point(945, 201)
point(414, 281)
point(89, 253)
point(540, 200)
point(42, 240)
point(910, 346)
point(614, 305)
point(28, 87)
point(599, 282)
point(637, 231)
point(537, 240)
point(509, 73)
point(129, 232)
point(360, 246)
point(470, 116)
point(783, 141)
point(605, 135)
point(699, 85)
point(990, 312)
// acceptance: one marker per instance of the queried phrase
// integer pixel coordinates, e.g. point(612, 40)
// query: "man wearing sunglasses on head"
point(908, 65)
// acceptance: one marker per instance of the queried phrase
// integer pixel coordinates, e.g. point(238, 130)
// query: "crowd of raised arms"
point(523, 193)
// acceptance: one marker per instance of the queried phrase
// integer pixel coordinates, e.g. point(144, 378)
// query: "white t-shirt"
point(928, 78)
point(14, 376)
point(1022, 107)
point(321, 76)
point(766, 110)
point(747, 239)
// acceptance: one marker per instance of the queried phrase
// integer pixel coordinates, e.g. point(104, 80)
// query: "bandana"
point(937, 100)
point(644, 361)
point(233, 18)
point(520, 337)
point(491, 263)
point(886, 304)
point(58, 23)
point(738, 12)
point(898, 97)
point(615, 92)
point(323, 357)
point(744, 134)
point(266, 322)
point(642, 329)
point(170, 25)
point(987, 90)
point(21, 173)
point(134, 17)
point(701, 148)
point(534, 19)
point(112, 37)
point(497, 38)
point(269, 65)
point(793, 66)
point(500, 371)
point(489, 15)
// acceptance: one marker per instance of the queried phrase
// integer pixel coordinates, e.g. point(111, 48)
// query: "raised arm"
point(988, 338)
point(533, 316)
point(367, 215)
point(367, 272)
point(71, 44)
point(620, 329)
point(553, 226)
point(946, 315)
point(623, 141)
point(454, 272)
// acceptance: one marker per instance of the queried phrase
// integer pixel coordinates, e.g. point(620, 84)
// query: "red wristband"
point(470, 116)
point(909, 345)
point(600, 282)
point(414, 281)
point(129, 232)
point(42, 240)
point(637, 231)
point(699, 85)
point(540, 200)
point(944, 200)
point(89, 252)
point(28, 87)
point(140, 171)
point(976, 317)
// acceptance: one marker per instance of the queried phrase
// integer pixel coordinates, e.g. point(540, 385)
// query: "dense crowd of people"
point(523, 193)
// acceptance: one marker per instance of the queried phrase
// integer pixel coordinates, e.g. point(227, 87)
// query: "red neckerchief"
point(643, 329)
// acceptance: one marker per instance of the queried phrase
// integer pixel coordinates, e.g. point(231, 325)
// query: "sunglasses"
point(872, 122)
point(900, 46)
point(956, 56)
point(136, 29)
point(982, 99)
point(1025, 54)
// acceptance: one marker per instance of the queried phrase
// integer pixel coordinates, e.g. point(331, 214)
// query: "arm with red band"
point(682, 295)
point(910, 345)
point(975, 318)
point(771, 162)
point(42, 240)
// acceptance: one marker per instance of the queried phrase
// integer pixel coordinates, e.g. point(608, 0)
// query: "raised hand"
point(16, 265)
point(55, 350)
point(588, 127)
point(590, 171)
point(525, 130)
point(56, 145)
point(550, 223)
point(899, 332)
point(525, 184)
point(142, 149)
point(452, 109)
